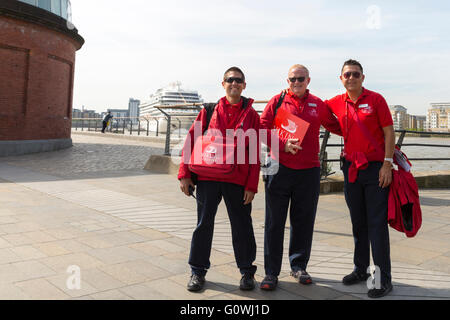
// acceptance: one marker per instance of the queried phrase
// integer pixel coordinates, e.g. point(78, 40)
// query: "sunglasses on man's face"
point(299, 79)
point(233, 79)
point(355, 74)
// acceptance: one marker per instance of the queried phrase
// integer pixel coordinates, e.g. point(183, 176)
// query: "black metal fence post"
point(323, 154)
point(167, 147)
point(400, 139)
point(168, 118)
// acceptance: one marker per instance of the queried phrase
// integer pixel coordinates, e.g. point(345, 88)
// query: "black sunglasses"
point(355, 74)
point(299, 79)
point(232, 79)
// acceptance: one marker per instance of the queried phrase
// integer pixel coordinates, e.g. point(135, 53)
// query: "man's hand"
point(184, 185)
point(248, 196)
point(385, 175)
point(291, 146)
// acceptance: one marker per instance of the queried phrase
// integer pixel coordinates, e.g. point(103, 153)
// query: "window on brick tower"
point(44, 4)
point(56, 7)
point(33, 2)
point(64, 8)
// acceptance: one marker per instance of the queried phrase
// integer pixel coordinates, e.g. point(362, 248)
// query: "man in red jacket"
point(297, 181)
point(238, 190)
point(369, 141)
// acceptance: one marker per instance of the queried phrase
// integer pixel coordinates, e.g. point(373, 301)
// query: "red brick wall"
point(36, 81)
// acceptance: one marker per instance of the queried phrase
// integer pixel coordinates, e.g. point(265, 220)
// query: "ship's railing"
point(123, 125)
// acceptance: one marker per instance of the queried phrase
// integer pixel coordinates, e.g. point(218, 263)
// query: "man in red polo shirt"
point(297, 181)
point(369, 140)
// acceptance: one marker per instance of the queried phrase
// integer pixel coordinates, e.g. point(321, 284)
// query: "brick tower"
point(37, 61)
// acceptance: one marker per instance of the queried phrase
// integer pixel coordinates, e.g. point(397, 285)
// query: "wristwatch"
point(389, 159)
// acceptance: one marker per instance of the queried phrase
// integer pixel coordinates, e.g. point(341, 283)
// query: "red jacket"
point(311, 109)
point(404, 213)
point(248, 174)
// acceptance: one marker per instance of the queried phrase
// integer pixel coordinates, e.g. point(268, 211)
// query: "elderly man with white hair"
point(297, 181)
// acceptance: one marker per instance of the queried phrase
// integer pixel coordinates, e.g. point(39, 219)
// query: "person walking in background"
point(105, 122)
point(297, 181)
point(233, 112)
point(369, 141)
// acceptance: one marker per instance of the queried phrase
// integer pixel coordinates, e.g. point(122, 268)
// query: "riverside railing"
point(190, 110)
point(402, 133)
point(123, 125)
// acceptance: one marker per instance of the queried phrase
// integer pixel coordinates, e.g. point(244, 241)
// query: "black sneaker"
point(378, 293)
point(196, 283)
point(302, 276)
point(355, 277)
point(247, 282)
point(269, 283)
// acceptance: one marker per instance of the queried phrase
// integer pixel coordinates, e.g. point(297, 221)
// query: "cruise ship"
point(172, 94)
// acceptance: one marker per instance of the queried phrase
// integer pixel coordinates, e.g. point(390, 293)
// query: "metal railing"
point(119, 125)
point(402, 133)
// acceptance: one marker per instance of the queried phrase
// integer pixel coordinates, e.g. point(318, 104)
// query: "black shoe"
point(247, 282)
point(355, 277)
point(269, 283)
point(302, 276)
point(196, 283)
point(378, 293)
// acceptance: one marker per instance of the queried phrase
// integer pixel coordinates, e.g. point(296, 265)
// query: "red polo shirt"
point(311, 109)
point(373, 112)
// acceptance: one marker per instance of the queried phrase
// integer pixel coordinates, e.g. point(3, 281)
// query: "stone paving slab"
point(129, 233)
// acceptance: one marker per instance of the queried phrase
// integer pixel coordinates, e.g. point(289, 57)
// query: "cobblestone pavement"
point(128, 231)
point(91, 155)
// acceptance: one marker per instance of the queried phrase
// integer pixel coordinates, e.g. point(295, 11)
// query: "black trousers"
point(104, 125)
point(209, 195)
point(300, 189)
point(368, 205)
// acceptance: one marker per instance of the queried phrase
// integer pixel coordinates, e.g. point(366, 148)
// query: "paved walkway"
point(126, 233)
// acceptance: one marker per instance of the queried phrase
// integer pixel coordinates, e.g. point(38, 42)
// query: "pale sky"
point(135, 47)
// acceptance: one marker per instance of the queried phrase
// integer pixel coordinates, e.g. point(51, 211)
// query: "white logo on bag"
point(292, 127)
point(210, 152)
point(312, 104)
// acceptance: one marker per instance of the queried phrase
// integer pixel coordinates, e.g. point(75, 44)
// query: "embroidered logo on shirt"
point(312, 105)
point(365, 108)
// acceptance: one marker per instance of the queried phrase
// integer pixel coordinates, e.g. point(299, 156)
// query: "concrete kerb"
point(425, 180)
point(21, 147)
